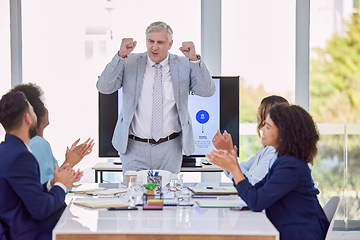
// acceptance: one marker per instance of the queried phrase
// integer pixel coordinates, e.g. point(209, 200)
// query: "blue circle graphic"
point(202, 116)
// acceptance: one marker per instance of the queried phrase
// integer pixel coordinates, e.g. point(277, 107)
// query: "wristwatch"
point(198, 56)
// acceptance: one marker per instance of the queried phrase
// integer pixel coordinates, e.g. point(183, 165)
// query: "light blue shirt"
point(257, 166)
point(273, 160)
point(41, 149)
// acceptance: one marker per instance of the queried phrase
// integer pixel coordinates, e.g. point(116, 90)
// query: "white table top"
point(171, 220)
point(194, 220)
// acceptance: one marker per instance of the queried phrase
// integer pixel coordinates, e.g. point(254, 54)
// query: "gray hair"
point(157, 26)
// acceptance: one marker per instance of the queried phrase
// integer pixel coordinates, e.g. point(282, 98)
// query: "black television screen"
point(220, 111)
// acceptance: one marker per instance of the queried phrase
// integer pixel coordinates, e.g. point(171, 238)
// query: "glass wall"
point(335, 102)
point(336, 170)
point(66, 45)
point(5, 79)
point(352, 176)
point(258, 44)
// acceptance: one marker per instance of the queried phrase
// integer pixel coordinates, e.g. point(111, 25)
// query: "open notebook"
point(99, 191)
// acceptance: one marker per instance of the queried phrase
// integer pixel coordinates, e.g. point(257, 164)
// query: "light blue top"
point(272, 160)
point(41, 149)
point(257, 166)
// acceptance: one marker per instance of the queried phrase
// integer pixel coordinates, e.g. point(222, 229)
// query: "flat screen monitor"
point(208, 114)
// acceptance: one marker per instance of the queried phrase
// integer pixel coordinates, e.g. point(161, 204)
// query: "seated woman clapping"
point(257, 166)
point(287, 192)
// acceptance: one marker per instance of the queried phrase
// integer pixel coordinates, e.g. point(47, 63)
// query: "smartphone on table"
point(121, 208)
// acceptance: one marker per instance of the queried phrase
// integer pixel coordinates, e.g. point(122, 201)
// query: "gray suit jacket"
point(128, 74)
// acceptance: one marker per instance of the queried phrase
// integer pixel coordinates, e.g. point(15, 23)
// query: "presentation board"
point(221, 111)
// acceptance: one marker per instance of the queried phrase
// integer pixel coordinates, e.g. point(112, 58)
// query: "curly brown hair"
point(298, 134)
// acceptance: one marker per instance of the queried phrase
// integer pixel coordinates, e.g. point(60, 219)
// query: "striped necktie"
point(157, 106)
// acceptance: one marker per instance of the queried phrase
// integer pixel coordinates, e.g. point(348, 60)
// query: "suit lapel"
point(174, 72)
point(140, 75)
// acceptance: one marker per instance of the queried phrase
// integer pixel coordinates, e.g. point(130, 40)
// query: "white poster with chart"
point(205, 117)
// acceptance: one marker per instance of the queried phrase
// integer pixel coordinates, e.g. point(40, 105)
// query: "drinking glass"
point(176, 181)
point(183, 216)
point(183, 198)
point(135, 191)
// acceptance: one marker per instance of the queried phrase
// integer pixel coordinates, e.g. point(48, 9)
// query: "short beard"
point(32, 132)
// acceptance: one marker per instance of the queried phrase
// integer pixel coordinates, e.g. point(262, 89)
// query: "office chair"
point(330, 209)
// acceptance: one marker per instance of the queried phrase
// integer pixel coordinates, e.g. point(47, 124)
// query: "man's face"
point(32, 129)
point(158, 45)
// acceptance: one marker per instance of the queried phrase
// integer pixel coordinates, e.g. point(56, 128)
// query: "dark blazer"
point(288, 195)
point(26, 207)
point(3, 231)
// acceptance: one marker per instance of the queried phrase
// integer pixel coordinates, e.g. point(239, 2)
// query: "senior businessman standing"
point(154, 124)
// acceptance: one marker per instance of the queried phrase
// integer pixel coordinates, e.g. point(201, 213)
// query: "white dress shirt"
point(141, 123)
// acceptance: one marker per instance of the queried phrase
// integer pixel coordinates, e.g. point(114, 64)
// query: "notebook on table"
point(100, 202)
point(213, 190)
point(215, 203)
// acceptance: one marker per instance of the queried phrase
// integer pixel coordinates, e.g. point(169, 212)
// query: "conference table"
point(173, 222)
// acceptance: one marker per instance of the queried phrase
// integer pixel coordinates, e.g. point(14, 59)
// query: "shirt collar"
point(271, 163)
point(162, 63)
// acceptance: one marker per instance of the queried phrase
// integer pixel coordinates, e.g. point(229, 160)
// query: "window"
point(67, 44)
point(258, 44)
point(5, 79)
point(334, 101)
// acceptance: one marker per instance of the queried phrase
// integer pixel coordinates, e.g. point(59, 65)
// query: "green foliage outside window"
point(335, 77)
point(334, 98)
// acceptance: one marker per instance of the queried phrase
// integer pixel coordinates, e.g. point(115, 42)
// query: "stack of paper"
point(214, 203)
point(100, 202)
point(100, 191)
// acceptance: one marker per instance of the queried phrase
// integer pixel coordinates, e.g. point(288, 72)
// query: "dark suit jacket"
point(26, 207)
point(3, 231)
point(288, 194)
